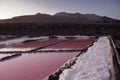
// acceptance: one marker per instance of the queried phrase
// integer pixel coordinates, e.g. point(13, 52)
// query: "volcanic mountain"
point(61, 17)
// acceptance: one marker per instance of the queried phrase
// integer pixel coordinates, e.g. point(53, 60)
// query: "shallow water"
point(37, 66)
point(31, 45)
point(33, 66)
point(75, 44)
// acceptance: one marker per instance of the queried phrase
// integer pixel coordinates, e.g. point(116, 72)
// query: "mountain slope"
point(62, 17)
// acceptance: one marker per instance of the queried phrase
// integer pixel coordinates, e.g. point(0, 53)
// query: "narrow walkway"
point(92, 65)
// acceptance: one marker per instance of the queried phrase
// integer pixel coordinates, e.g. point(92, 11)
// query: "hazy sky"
point(10, 8)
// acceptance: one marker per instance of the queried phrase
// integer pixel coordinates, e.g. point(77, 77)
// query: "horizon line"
point(54, 14)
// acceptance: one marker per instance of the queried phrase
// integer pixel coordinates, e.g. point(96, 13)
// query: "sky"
point(11, 8)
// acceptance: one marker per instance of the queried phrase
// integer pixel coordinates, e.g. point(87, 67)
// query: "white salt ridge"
point(4, 55)
point(76, 36)
point(82, 37)
point(19, 40)
point(5, 36)
point(61, 37)
point(58, 49)
point(91, 65)
point(15, 49)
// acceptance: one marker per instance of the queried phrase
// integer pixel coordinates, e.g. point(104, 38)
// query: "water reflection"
point(31, 45)
point(75, 44)
point(33, 66)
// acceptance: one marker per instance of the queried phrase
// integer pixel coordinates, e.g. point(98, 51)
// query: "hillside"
point(61, 17)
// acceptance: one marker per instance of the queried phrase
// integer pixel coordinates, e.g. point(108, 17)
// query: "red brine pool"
point(75, 44)
point(33, 66)
point(6, 39)
point(39, 43)
point(31, 45)
point(39, 65)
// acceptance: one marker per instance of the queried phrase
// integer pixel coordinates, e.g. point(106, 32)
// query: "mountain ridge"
point(61, 17)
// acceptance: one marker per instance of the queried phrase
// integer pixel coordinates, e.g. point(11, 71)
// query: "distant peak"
point(61, 13)
point(68, 14)
point(42, 14)
point(38, 14)
point(78, 13)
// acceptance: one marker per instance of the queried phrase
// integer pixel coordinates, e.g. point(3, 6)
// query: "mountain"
point(61, 17)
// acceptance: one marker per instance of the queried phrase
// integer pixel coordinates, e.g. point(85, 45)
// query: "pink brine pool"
point(39, 43)
point(38, 66)
point(31, 45)
point(33, 66)
point(75, 44)
point(6, 39)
